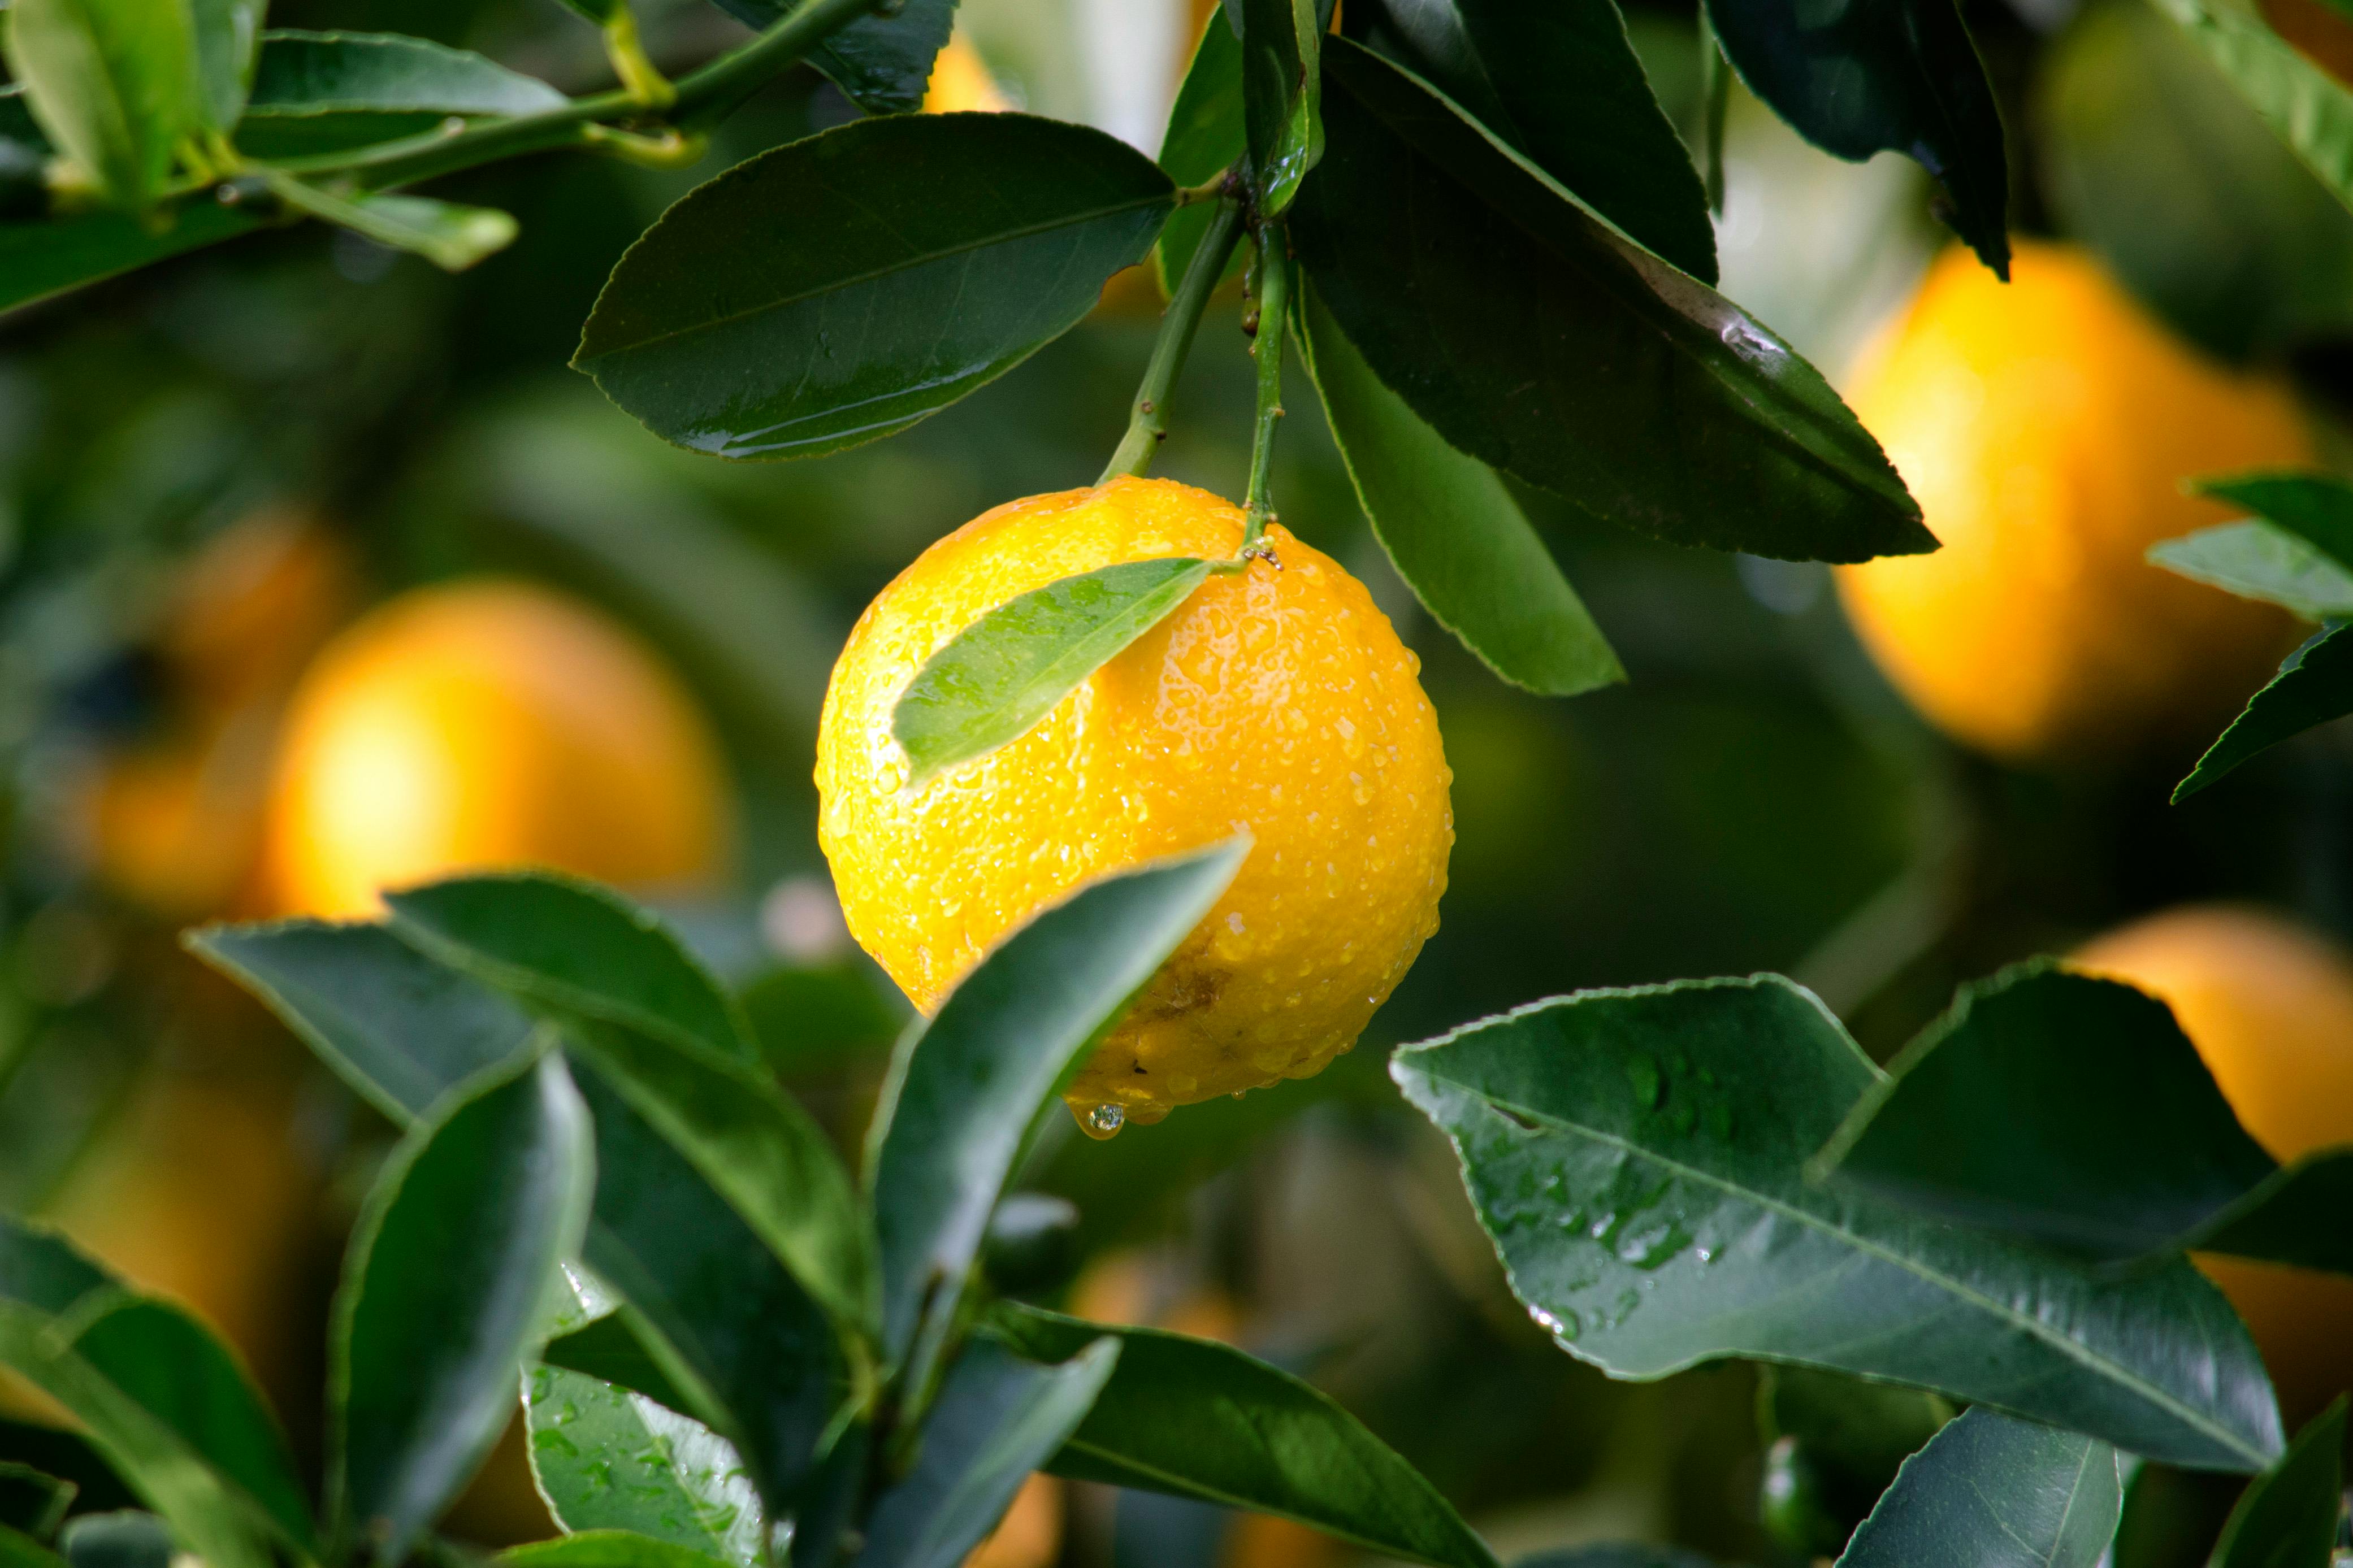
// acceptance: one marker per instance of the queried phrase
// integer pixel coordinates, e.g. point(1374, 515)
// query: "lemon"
point(2270, 1008)
point(962, 83)
point(485, 724)
point(1277, 701)
point(2046, 427)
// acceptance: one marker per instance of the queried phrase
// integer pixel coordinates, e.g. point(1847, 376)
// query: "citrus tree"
point(1139, 798)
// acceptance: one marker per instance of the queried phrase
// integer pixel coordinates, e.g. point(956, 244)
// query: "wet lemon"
point(1277, 701)
point(487, 724)
point(2270, 1008)
point(2046, 427)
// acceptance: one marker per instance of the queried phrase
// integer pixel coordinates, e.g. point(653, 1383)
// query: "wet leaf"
point(1281, 86)
point(610, 1460)
point(1993, 1491)
point(603, 1549)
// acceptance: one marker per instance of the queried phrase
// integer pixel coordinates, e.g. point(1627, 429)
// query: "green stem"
point(1147, 425)
point(639, 78)
point(1273, 306)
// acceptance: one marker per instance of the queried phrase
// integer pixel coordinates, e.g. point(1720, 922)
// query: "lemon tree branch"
point(1148, 426)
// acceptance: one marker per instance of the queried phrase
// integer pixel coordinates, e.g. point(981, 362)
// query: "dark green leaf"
point(39, 259)
point(997, 1418)
point(2173, 1517)
point(966, 1084)
point(18, 1549)
point(1198, 1419)
point(72, 1458)
point(304, 74)
point(1535, 339)
point(1993, 1491)
point(839, 288)
point(607, 1459)
point(1615, 1555)
point(1206, 136)
point(126, 1540)
point(450, 236)
point(1454, 532)
point(2316, 508)
point(2262, 561)
point(2305, 106)
point(1639, 1156)
point(228, 33)
point(114, 84)
point(1000, 675)
point(881, 62)
point(2314, 684)
point(603, 1549)
point(1562, 85)
point(401, 1029)
point(1897, 75)
point(1282, 84)
point(32, 1501)
point(449, 1285)
point(1854, 1435)
point(2288, 1518)
point(610, 1351)
point(562, 943)
point(811, 1023)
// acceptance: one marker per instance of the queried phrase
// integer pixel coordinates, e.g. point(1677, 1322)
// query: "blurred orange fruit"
point(961, 82)
point(2046, 427)
point(489, 723)
point(1030, 1534)
point(2269, 1006)
point(2317, 29)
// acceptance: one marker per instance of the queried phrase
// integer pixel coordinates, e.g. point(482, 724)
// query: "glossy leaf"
point(603, 1549)
point(448, 1286)
point(114, 84)
point(399, 1029)
point(839, 288)
point(1562, 85)
point(2317, 508)
point(966, 1084)
point(2305, 106)
point(1454, 531)
point(2288, 1519)
point(1898, 75)
point(607, 1459)
point(1639, 1156)
point(609, 1350)
point(881, 62)
point(2315, 685)
point(1993, 1491)
point(1197, 1419)
point(2261, 561)
point(1282, 85)
point(39, 260)
point(576, 948)
point(997, 1418)
point(450, 236)
point(1534, 338)
point(1204, 136)
point(988, 684)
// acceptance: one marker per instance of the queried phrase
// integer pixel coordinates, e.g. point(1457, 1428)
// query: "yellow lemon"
point(1030, 1534)
point(2046, 427)
point(486, 725)
point(962, 83)
point(2270, 1008)
point(1277, 700)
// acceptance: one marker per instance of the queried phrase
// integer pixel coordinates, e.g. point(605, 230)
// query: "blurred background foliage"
point(208, 470)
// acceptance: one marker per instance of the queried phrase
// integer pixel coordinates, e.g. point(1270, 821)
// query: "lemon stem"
point(1268, 312)
point(1147, 424)
point(639, 77)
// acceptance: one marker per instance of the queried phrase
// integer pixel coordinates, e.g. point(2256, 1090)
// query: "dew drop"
point(1105, 1120)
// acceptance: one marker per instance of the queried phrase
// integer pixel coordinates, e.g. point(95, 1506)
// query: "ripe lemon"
point(1030, 1534)
point(962, 83)
point(482, 724)
point(1277, 700)
point(2046, 426)
point(2270, 1008)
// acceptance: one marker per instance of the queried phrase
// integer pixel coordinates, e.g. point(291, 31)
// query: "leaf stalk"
point(1147, 424)
point(1272, 308)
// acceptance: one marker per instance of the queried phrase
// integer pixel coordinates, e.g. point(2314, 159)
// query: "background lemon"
point(1277, 701)
point(2046, 426)
point(2270, 1008)
point(489, 723)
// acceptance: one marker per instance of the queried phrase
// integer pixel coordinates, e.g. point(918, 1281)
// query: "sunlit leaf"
point(113, 82)
point(607, 1459)
point(2317, 508)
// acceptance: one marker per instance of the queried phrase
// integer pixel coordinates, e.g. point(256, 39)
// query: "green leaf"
point(881, 62)
point(822, 1021)
point(48, 1291)
point(2316, 508)
point(2314, 684)
point(1003, 673)
point(1617, 1555)
point(609, 1350)
point(399, 1029)
point(997, 1418)
point(32, 1501)
point(2150, 157)
point(840, 288)
point(450, 236)
point(320, 92)
point(227, 35)
point(72, 1458)
point(39, 260)
point(1454, 531)
point(2288, 1518)
point(1899, 75)
point(603, 1549)
point(1534, 338)
point(1854, 1435)
point(1993, 1491)
point(2171, 1517)
point(607, 1459)
point(113, 83)
point(1206, 136)
point(568, 945)
point(448, 1287)
point(2304, 105)
point(1198, 1419)
point(18, 1549)
point(1638, 1157)
point(1282, 84)
point(1562, 85)
point(967, 1083)
point(2261, 561)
